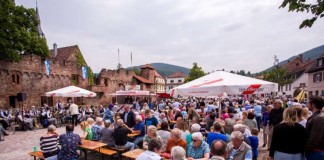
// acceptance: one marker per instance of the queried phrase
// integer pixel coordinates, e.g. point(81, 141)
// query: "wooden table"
point(131, 135)
point(37, 154)
point(133, 154)
point(90, 145)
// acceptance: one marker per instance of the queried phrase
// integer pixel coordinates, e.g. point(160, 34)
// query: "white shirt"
point(148, 155)
point(74, 109)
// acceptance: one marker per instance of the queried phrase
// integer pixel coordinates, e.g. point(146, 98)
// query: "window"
point(170, 87)
point(17, 79)
point(316, 93)
point(179, 81)
point(317, 78)
point(172, 81)
point(64, 62)
point(320, 62)
point(75, 79)
point(322, 93)
point(286, 87)
point(13, 77)
point(106, 82)
point(289, 87)
point(310, 93)
point(302, 85)
point(297, 64)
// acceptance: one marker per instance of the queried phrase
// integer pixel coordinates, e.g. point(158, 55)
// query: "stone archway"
point(121, 86)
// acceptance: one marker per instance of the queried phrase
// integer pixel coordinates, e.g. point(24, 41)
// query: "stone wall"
point(29, 76)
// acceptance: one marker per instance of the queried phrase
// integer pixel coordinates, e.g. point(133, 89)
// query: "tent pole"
point(219, 107)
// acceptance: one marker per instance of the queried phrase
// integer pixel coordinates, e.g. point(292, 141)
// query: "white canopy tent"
point(220, 82)
point(70, 91)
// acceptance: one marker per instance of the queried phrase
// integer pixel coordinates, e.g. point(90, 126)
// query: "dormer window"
point(320, 62)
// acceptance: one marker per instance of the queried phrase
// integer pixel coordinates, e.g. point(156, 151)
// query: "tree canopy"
point(195, 72)
point(278, 75)
point(316, 9)
point(18, 32)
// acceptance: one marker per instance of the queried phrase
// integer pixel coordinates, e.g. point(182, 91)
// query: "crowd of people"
point(197, 129)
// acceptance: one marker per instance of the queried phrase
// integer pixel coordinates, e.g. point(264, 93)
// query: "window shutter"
point(314, 78)
point(320, 75)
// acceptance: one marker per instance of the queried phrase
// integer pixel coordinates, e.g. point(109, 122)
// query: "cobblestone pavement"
point(17, 146)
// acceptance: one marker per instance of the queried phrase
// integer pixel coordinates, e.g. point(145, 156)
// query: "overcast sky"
point(217, 34)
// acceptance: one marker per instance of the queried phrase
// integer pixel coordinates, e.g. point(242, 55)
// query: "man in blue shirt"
point(216, 135)
point(258, 114)
point(150, 119)
point(139, 127)
point(69, 144)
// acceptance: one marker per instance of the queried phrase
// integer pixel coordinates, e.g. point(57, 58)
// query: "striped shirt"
point(49, 144)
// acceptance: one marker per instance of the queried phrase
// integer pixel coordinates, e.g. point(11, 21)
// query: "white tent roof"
point(219, 82)
point(133, 93)
point(71, 91)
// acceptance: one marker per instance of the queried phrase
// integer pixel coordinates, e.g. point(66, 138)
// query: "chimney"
point(301, 57)
point(55, 50)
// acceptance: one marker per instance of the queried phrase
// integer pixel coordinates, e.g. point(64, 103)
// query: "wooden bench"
point(37, 154)
point(105, 151)
point(119, 150)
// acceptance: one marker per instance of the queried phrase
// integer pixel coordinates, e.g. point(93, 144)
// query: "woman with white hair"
point(178, 153)
point(237, 148)
point(289, 138)
point(198, 148)
point(194, 128)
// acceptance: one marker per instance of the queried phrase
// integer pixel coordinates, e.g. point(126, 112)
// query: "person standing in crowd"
point(265, 125)
point(289, 138)
point(258, 113)
point(218, 150)
point(49, 143)
point(275, 117)
point(108, 114)
point(254, 140)
point(250, 121)
point(153, 152)
point(120, 136)
point(198, 148)
point(237, 149)
point(74, 111)
point(69, 144)
point(107, 134)
point(129, 117)
point(192, 112)
point(315, 127)
point(96, 129)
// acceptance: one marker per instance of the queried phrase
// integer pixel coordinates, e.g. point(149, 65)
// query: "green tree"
point(18, 32)
point(316, 8)
point(194, 73)
point(278, 75)
point(136, 71)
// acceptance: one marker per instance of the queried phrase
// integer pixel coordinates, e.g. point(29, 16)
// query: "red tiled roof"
point(177, 75)
point(142, 79)
point(64, 53)
point(147, 66)
point(157, 74)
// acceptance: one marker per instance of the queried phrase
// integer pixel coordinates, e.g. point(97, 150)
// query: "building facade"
point(315, 78)
point(174, 80)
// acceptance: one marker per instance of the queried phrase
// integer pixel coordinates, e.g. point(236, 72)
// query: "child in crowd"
point(254, 143)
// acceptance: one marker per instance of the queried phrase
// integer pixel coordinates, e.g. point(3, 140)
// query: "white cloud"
point(234, 35)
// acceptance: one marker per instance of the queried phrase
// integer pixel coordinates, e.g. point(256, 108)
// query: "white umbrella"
point(71, 91)
point(221, 82)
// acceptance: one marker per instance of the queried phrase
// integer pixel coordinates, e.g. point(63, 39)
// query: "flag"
point(47, 67)
point(301, 96)
point(131, 58)
point(84, 72)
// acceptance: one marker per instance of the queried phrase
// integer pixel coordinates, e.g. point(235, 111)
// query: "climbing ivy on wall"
point(81, 62)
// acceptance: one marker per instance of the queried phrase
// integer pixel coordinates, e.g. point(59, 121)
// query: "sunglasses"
point(194, 140)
